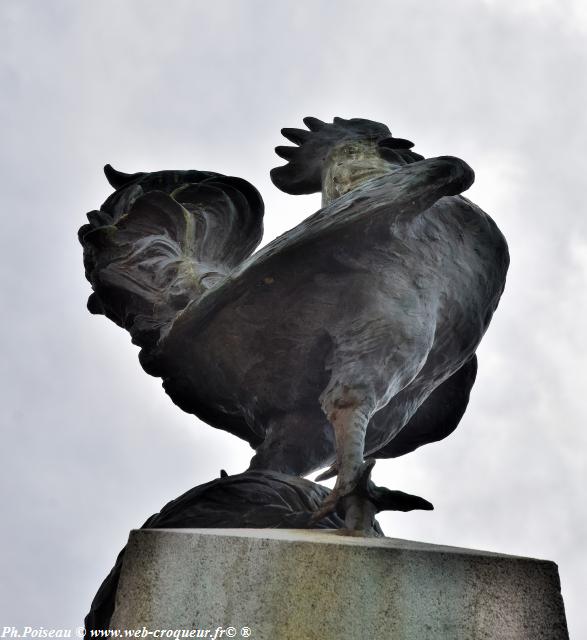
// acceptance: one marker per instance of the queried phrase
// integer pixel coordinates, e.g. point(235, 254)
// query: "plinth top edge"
point(333, 537)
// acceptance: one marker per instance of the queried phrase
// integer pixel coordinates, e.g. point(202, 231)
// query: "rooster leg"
point(349, 420)
point(350, 426)
point(354, 492)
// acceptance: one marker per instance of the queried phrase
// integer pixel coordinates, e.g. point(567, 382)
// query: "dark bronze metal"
point(349, 338)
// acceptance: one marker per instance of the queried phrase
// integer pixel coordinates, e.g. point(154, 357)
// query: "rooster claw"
point(344, 489)
point(361, 499)
point(329, 473)
point(387, 500)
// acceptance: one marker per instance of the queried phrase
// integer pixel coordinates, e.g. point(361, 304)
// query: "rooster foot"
point(361, 499)
point(347, 496)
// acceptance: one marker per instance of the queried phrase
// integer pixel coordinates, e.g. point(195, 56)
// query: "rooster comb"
point(303, 171)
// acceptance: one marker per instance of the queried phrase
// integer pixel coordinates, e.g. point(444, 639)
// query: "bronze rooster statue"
point(349, 338)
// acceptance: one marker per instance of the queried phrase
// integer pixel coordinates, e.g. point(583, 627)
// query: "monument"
point(349, 338)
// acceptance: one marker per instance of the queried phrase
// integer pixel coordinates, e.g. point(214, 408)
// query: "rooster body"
point(351, 336)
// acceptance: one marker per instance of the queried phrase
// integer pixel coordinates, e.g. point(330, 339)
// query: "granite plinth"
point(308, 584)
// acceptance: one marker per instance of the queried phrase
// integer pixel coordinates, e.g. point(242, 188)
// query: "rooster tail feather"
point(162, 240)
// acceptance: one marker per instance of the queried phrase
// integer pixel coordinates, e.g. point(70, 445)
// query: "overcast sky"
point(91, 445)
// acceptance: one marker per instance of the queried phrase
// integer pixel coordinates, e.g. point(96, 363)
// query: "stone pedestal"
point(305, 585)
